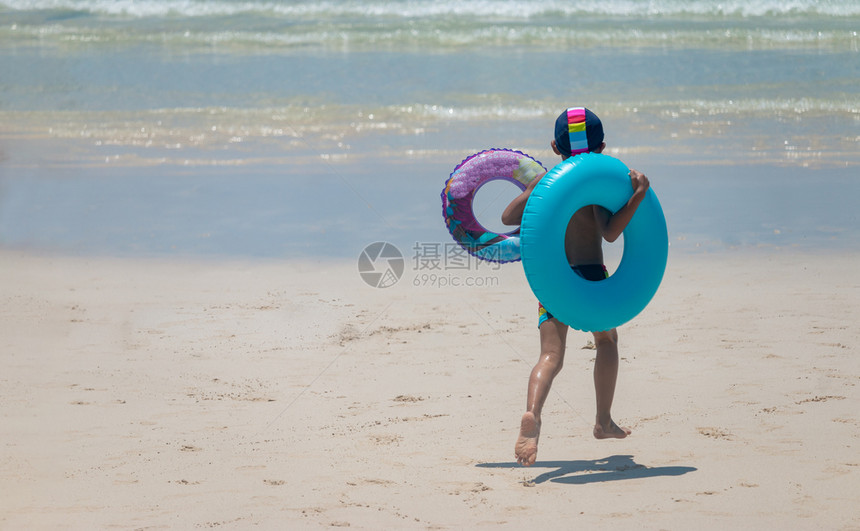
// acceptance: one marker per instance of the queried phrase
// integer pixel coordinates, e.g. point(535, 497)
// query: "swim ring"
point(579, 181)
point(459, 192)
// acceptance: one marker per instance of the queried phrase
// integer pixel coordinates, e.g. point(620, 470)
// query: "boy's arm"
point(513, 214)
point(612, 225)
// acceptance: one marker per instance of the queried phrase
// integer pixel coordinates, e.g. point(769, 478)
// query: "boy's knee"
point(552, 358)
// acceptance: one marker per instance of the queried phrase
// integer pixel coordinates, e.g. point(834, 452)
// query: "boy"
point(583, 246)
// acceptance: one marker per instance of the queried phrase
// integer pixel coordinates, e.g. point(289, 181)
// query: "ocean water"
point(293, 128)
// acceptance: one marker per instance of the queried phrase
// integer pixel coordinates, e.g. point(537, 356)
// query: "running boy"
point(586, 231)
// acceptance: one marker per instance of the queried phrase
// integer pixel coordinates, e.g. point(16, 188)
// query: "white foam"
point(484, 9)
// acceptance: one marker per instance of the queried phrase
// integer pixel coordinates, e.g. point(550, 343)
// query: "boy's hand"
point(639, 182)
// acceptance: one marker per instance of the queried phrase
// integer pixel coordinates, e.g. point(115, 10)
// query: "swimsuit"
point(593, 272)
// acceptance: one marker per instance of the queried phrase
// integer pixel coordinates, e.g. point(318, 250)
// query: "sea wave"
point(289, 118)
point(424, 37)
point(415, 9)
point(263, 25)
point(772, 131)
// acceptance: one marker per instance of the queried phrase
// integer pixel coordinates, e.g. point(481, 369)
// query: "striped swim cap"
point(578, 130)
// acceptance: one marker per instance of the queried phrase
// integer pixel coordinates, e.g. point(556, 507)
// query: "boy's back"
point(583, 241)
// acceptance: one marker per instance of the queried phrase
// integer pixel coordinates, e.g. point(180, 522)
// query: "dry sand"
point(148, 394)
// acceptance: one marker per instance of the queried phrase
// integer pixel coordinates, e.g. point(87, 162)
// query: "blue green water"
point(283, 128)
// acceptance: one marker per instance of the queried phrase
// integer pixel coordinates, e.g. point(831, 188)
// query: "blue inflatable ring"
point(591, 179)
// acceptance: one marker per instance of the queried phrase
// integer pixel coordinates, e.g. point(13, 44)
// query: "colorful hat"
point(578, 130)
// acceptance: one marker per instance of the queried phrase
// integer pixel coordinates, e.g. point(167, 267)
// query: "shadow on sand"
point(614, 468)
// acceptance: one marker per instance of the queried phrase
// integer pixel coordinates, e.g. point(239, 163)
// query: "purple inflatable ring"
point(459, 192)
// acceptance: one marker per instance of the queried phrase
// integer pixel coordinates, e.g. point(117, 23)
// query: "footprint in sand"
point(715, 433)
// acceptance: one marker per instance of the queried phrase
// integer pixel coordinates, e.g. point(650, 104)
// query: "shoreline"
point(177, 394)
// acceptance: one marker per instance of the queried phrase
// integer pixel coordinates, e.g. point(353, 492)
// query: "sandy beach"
point(186, 341)
point(153, 394)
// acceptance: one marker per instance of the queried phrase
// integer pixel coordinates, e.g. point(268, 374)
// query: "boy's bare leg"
point(605, 376)
point(552, 340)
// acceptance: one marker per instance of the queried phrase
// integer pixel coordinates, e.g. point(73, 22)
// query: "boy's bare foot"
point(526, 447)
point(610, 431)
